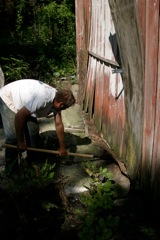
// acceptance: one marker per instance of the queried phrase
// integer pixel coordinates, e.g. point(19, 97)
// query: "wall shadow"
point(115, 48)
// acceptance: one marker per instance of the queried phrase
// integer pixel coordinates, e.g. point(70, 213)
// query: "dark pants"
point(31, 132)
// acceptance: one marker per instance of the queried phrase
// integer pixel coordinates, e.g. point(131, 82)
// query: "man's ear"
point(61, 104)
point(56, 104)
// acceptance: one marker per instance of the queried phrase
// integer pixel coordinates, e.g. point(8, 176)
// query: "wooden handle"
point(50, 151)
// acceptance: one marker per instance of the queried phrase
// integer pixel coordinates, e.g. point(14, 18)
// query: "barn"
point(117, 43)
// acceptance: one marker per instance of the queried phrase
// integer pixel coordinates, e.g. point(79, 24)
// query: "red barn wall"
point(122, 37)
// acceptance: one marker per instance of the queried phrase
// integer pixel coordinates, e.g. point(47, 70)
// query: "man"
point(21, 103)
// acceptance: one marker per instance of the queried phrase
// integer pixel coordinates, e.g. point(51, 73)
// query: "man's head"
point(63, 99)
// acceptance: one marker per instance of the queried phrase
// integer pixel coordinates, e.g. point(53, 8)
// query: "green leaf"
point(88, 221)
point(101, 222)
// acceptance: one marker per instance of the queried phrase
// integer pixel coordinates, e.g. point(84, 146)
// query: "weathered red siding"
point(100, 96)
point(151, 130)
point(123, 35)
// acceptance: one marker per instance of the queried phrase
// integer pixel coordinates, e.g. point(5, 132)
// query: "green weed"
point(98, 223)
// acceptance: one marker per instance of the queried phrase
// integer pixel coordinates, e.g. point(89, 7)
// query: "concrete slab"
point(73, 120)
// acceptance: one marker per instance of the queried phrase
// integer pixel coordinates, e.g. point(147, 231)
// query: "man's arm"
point(20, 120)
point(60, 134)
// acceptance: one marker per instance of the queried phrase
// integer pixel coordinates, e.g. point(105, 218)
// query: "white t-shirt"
point(35, 95)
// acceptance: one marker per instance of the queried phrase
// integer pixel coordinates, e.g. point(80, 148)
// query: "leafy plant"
point(39, 176)
point(98, 223)
point(34, 177)
point(41, 35)
point(14, 69)
point(30, 205)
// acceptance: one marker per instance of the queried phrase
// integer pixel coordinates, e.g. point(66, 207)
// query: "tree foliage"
point(40, 33)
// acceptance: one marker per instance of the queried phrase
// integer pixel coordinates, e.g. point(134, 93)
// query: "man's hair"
point(65, 96)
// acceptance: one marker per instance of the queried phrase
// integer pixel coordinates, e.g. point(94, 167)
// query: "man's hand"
point(22, 147)
point(62, 151)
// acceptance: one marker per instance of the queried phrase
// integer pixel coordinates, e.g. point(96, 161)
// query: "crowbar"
point(53, 151)
point(109, 157)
